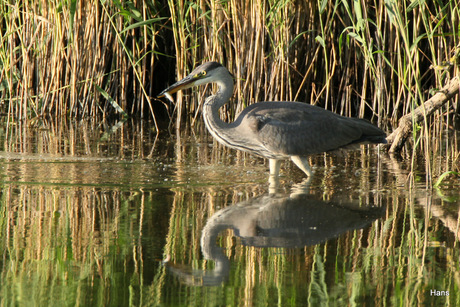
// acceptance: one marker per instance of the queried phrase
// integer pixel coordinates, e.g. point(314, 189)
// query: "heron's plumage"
point(278, 129)
point(293, 128)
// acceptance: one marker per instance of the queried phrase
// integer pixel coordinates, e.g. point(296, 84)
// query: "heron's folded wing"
point(301, 129)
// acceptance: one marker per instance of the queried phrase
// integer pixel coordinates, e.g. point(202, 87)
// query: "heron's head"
point(203, 74)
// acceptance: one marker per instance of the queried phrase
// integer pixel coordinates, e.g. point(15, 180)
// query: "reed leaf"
point(143, 23)
point(114, 104)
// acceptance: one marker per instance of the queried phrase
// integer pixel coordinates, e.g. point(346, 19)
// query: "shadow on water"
point(88, 212)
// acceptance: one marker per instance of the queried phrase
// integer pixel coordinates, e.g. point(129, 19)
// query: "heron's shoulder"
point(277, 115)
point(285, 111)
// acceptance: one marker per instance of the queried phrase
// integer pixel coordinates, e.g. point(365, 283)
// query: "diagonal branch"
point(398, 137)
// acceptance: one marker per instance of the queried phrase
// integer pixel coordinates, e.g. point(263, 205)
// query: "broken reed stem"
point(398, 137)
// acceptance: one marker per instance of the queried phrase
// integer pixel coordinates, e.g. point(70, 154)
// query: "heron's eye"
point(201, 74)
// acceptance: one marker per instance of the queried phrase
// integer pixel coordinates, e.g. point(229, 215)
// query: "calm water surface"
point(96, 215)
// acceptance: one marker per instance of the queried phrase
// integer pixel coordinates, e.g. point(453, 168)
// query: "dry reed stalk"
point(61, 56)
point(63, 52)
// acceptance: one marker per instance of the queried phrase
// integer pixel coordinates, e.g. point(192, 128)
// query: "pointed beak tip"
point(161, 95)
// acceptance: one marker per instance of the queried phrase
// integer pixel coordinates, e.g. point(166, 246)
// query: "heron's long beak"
point(185, 83)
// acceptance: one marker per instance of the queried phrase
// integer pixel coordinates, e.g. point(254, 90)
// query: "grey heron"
point(276, 130)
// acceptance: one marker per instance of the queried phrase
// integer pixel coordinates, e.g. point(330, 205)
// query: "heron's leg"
point(302, 163)
point(275, 167)
point(273, 179)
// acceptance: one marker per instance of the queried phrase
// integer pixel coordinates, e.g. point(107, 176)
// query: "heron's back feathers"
point(293, 128)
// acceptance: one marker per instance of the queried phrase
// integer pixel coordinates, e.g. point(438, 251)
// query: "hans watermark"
point(434, 292)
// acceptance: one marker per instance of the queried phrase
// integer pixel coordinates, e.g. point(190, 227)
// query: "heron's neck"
point(216, 126)
point(223, 95)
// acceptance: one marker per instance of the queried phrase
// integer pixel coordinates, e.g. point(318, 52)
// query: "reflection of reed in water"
point(287, 221)
point(60, 139)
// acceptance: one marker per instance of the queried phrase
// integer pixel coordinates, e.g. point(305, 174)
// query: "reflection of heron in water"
point(276, 130)
point(296, 220)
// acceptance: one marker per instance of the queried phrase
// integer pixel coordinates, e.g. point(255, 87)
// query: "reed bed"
point(377, 59)
point(70, 59)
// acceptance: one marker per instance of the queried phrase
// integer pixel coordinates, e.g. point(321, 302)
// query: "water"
point(95, 215)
